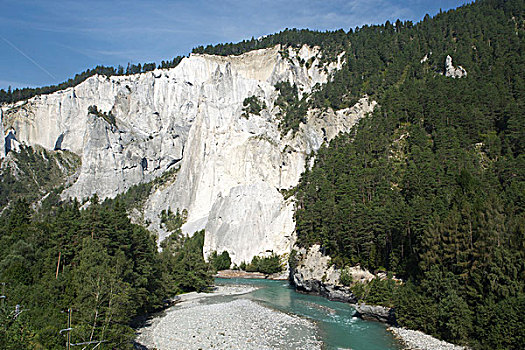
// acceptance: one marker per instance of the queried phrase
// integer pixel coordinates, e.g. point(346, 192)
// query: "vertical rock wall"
point(232, 169)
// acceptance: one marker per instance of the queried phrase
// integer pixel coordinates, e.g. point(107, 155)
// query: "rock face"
point(257, 209)
point(231, 169)
point(150, 125)
point(453, 72)
point(375, 313)
point(314, 274)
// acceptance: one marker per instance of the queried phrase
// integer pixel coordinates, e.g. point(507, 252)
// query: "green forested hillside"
point(94, 261)
point(431, 186)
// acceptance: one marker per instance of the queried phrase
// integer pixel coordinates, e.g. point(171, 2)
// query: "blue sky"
point(45, 42)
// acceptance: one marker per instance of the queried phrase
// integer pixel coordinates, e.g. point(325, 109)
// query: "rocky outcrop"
point(313, 273)
point(425, 58)
point(375, 313)
point(10, 142)
point(454, 72)
point(231, 169)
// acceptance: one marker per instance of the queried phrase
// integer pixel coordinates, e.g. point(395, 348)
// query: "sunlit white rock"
point(454, 72)
point(231, 168)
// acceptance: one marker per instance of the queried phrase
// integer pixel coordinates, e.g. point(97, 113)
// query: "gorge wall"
point(231, 169)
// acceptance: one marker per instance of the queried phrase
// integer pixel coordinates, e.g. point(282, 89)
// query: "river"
point(338, 329)
point(259, 314)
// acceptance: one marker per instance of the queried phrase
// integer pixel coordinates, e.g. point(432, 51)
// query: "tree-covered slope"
point(93, 261)
point(431, 186)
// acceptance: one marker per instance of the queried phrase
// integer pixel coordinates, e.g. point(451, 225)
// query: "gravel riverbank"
point(195, 323)
point(416, 340)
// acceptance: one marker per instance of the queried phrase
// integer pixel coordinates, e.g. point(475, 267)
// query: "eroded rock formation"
point(231, 169)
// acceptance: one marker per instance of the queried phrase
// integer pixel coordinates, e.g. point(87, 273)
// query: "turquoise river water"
point(338, 328)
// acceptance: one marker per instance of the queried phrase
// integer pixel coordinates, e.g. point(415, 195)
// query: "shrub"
point(345, 278)
point(108, 117)
point(252, 105)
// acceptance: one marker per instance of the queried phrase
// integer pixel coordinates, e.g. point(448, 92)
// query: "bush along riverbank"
point(266, 267)
point(372, 295)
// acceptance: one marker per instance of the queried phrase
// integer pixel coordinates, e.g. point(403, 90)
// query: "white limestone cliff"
point(231, 168)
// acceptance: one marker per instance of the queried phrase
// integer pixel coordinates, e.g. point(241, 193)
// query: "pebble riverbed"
point(203, 321)
point(416, 340)
point(238, 324)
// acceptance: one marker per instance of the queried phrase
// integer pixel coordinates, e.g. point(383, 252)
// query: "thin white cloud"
point(98, 53)
point(178, 18)
point(116, 32)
